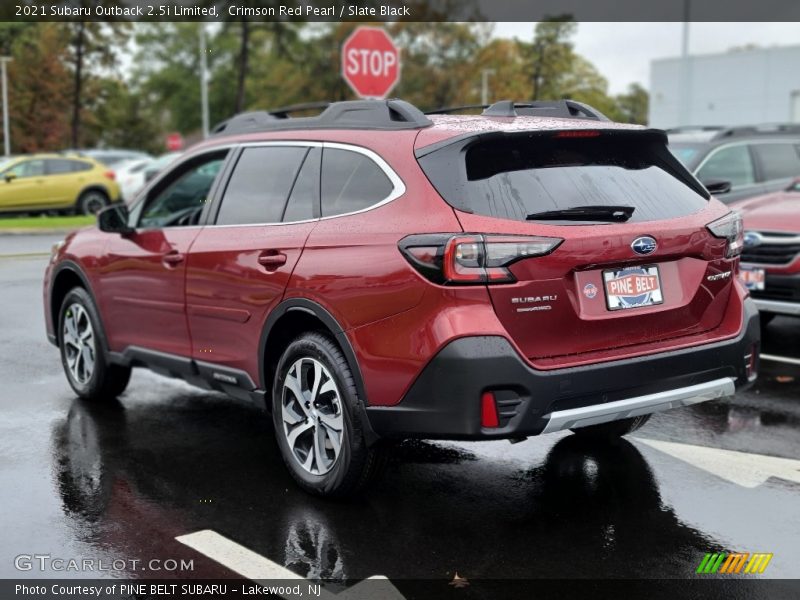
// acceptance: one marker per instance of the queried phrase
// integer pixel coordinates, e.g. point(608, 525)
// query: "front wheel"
point(613, 429)
point(318, 425)
point(83, 350)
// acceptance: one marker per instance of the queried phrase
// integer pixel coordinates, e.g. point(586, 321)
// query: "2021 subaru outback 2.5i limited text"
point(376, 273)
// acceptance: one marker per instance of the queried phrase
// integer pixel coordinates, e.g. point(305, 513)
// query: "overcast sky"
point(622, 51)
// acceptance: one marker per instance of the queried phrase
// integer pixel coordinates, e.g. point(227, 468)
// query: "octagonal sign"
point(370, 62)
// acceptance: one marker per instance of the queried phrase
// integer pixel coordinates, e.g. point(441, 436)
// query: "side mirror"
point(9, 177)
point(717, 186)
point(114, 219)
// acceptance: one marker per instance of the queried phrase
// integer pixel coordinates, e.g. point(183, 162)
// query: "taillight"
point(110, 175)
point(730, 228)
point(458, 259)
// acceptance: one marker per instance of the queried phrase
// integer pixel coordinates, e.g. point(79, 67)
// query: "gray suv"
point(754, 160)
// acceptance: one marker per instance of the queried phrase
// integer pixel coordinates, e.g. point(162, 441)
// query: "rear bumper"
point(444, 401)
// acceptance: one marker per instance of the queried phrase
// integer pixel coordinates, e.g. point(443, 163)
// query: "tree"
point(38, 87)
point(633, 105)
point(552, 56)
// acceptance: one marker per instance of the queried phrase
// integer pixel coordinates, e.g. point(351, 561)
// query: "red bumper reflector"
point(488, 411)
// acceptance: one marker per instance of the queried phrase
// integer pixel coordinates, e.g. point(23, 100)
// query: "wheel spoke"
point(297, 431)
point(331, 421)
point(290, 415)
point(317, 378)
point(323, 462)
point(335, 437)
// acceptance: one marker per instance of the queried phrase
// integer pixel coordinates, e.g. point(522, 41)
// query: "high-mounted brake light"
point(577, 134)
point(730, 228)
point(458, 259)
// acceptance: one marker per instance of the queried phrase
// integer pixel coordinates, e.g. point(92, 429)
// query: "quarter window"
point(729, 164)
point(351, 181)
point(260, 184)
point(778, 161)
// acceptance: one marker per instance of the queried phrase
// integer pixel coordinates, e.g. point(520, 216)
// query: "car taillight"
point(730, 228)
point(110, 175)
point(458, 259)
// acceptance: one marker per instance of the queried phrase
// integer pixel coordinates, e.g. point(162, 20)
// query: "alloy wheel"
point(79, 343)
point(311, 410)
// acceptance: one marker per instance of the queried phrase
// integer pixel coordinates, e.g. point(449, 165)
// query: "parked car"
point(131, 176)
point(159, 164)
point(376, 273)
point(754, 160)
point(771, 257)
point(112, 157)
point(55, 182)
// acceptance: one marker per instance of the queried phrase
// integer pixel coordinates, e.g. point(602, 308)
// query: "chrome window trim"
point(398, 186)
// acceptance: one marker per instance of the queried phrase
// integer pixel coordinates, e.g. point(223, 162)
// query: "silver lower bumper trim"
point(779, 307)
point(641, 405)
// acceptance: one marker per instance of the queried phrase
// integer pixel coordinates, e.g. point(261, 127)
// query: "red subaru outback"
point(375, 272)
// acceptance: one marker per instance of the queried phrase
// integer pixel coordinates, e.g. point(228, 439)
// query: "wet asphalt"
point(123, 479)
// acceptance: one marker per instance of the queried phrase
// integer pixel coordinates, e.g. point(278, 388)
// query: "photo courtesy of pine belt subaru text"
point(375, 273)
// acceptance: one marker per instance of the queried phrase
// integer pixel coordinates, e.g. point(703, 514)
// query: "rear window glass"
point(513, 177)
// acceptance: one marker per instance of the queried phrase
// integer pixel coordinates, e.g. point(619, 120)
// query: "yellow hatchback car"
point(56, 182)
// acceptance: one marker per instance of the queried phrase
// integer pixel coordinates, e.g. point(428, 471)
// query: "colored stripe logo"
point(734, 563)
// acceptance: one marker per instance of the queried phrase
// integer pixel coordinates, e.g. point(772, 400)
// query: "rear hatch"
point(637, 263)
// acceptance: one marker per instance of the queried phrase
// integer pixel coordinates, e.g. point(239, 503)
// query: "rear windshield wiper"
point(585, 213)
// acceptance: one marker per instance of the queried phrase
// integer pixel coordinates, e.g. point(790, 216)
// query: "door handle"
point(271, 259)
point(172, 259)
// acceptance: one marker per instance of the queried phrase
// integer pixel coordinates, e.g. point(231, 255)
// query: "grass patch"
point(72, 221)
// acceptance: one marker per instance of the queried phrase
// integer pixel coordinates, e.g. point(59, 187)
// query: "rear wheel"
point(91, 202)
point(83, 353)
point(613, 429)
point(317, 421)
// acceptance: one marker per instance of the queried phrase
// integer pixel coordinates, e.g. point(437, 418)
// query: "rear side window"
point(259, 185)
point(778, 161)
point(305, 193)
point(732, 164)
point(351, 181)
point(514, 176)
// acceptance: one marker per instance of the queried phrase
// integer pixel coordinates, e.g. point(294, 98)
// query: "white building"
point(740, 87)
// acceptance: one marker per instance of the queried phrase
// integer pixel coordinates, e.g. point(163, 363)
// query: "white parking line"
point(255, 567)
point(781, 359)
point(742, 468)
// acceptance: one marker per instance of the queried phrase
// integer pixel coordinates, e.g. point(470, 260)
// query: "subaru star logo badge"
point(644, 245)
point(752, 239)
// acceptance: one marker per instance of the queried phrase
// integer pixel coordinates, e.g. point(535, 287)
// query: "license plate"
point(752, 278)
point(632, 287)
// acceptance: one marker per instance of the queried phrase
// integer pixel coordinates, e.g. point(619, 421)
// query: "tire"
point(83, 350)
point(612, 429)
point(308, 428)
point(91, 201)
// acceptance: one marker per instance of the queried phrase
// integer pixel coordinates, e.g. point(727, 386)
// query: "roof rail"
point(763, 129)
point(284, 111)
point(562, 109)
point(454, 109)
point(353, 114)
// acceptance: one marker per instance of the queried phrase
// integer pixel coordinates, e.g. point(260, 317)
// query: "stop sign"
point(174, 142)
point(370, 62)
